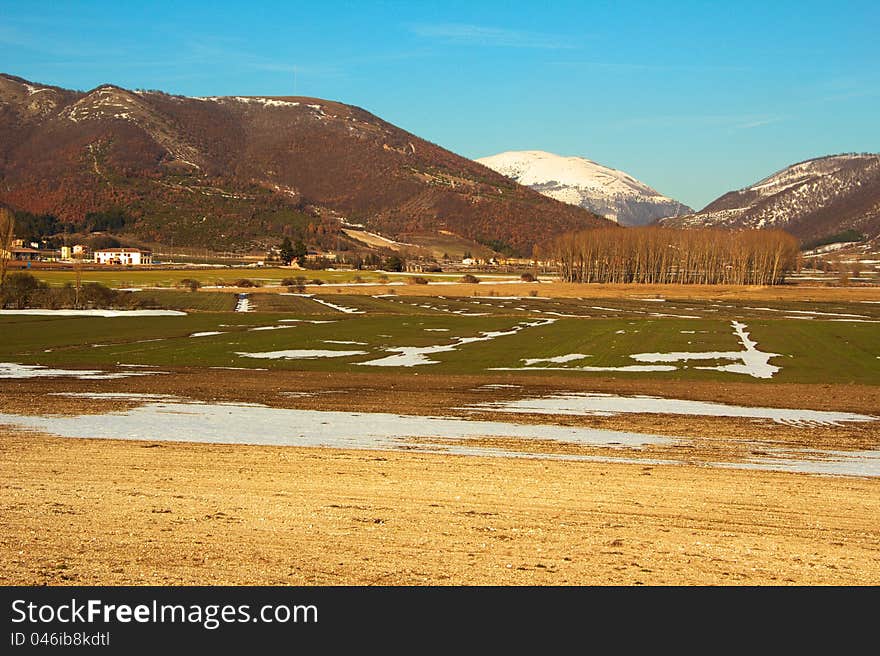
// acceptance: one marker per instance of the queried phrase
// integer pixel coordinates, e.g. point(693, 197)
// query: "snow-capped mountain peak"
point(580, 181)
point(811, 199)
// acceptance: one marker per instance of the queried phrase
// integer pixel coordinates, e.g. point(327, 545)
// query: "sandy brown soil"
point(114, 512)
point(105, 512)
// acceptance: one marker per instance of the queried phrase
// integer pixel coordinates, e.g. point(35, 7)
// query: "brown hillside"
point(231, 172)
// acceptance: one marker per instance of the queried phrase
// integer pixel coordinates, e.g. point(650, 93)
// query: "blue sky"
point(693, 98)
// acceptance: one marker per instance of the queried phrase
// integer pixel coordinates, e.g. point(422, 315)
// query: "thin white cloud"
point(482, 35)
point(759, 122)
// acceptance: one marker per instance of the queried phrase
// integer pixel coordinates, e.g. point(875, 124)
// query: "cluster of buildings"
point(19, 252)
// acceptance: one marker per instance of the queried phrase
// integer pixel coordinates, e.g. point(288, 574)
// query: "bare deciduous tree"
point(77, 277)
point(7, 234)
point(655, 255)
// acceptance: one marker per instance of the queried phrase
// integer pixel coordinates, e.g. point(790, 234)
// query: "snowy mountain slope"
point(811, 199)
point(582, 182)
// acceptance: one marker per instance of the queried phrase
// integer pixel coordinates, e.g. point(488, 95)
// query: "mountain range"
point(812, 200)
point(238, 172)
point(242, 172)
point(578, 181)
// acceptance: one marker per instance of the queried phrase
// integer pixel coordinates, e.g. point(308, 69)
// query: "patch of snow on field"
point(559, 359)
point(300, 354)
point(754, 363)
point(234, 423)
point(208, 333)
point(340, 341)
point(414, 356)
point(512, 298)
point(13, 370)
point(239, 368)
point(632, 368)
point(338, 308)
point(650, 314)
point(612, 404)
point(96, 313)
point(269, 328)
point(134, 396)
point(823, 463)
point(810, 312)
point(409, 356)
point(243, 304)
point(254, 423)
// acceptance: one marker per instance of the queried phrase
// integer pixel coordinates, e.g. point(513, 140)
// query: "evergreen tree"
point(393, 263)
point(299, 251)
point(286, 252)
point(7, 234)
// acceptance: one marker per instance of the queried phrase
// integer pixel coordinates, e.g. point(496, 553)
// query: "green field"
point(299, 304)
point(172, 299)
point(810, 351)
point(138, 278)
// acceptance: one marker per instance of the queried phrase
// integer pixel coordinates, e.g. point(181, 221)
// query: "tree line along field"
point(809, 351)
point(154, 277)
point(372, 283)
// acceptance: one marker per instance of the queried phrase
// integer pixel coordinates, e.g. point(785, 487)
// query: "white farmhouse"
point(123, 256)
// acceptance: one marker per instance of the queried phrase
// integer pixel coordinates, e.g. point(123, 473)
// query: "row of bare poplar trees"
point(656, 255)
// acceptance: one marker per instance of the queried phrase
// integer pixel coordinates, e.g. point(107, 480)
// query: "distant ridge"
point(812, 200)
